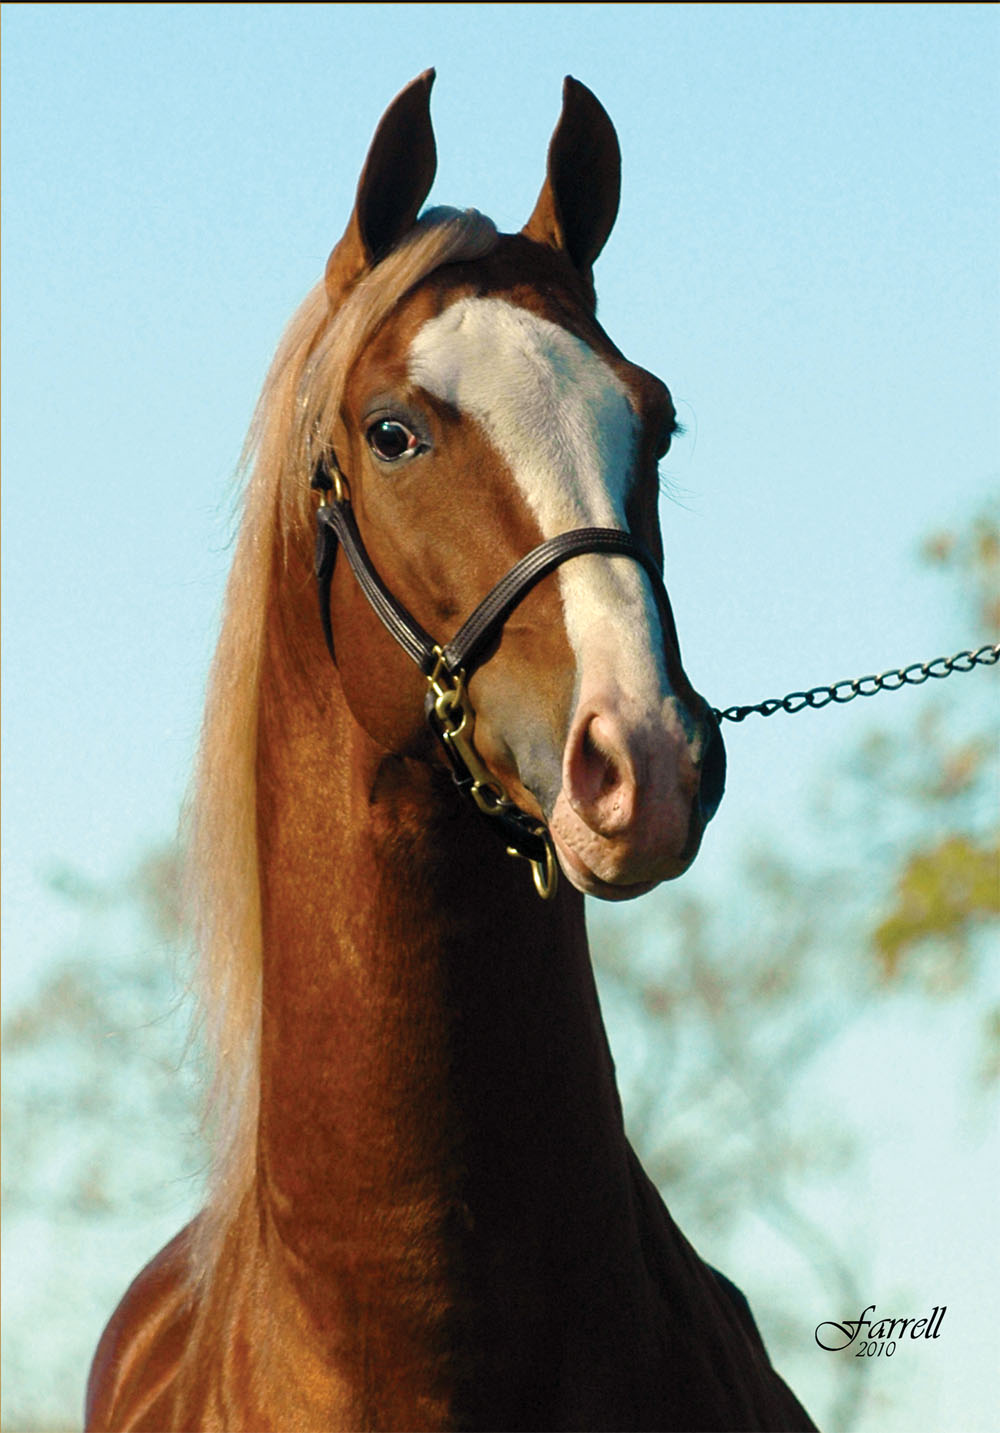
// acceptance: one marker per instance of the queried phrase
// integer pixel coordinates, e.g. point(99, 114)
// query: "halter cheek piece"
point(447, 668)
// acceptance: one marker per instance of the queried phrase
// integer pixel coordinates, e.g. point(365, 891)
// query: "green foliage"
point(940, 893)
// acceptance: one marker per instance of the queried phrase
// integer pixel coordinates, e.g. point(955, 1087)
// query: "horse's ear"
point(394, 183)
point(579, 200)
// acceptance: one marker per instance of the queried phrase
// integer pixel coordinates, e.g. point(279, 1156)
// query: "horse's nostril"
point(713, 772)
point(598, 780)
point(603, 768)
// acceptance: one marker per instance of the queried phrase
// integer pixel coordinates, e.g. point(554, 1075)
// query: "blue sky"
point(806, 253)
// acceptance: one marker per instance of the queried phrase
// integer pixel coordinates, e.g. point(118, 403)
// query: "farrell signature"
point(882, 1333)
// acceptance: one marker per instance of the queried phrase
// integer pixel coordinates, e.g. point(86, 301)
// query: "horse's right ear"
point(395, 181)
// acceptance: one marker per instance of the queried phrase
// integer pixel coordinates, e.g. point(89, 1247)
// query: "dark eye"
point(390, 440)
point(663, 441)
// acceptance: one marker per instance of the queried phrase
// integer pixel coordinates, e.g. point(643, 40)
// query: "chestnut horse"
point(425, 1213)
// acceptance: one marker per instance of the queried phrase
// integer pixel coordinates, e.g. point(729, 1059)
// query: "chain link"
point(845, 691)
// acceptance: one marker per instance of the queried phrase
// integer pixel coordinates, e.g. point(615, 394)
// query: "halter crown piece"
point(448, 667)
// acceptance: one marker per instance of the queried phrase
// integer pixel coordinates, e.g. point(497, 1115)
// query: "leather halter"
point(448, 667)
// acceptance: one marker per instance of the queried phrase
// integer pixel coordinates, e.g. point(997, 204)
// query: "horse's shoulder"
point(141, 1347)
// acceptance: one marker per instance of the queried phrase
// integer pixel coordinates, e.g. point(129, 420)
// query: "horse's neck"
point(438, 1102)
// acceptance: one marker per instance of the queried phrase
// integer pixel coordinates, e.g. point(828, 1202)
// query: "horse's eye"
point(663, 441)
point(391, 440)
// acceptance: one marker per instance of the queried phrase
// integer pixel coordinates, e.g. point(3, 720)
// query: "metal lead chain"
point(845, 691)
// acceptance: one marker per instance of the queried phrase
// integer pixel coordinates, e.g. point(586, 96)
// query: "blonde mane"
point(293, 426)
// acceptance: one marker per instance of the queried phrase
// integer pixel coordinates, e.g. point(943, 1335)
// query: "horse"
point(424, 1211)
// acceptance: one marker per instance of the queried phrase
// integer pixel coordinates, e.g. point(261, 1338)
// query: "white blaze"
point(563, 422)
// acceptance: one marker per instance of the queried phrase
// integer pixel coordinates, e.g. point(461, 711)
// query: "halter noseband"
point(448, 668)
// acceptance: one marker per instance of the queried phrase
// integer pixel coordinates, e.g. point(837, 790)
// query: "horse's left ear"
point(394, 183)
point(578, 204)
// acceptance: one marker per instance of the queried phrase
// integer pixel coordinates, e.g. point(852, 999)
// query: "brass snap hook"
point(545, 872)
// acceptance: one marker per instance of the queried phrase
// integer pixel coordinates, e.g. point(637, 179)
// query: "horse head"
point(486, 413)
